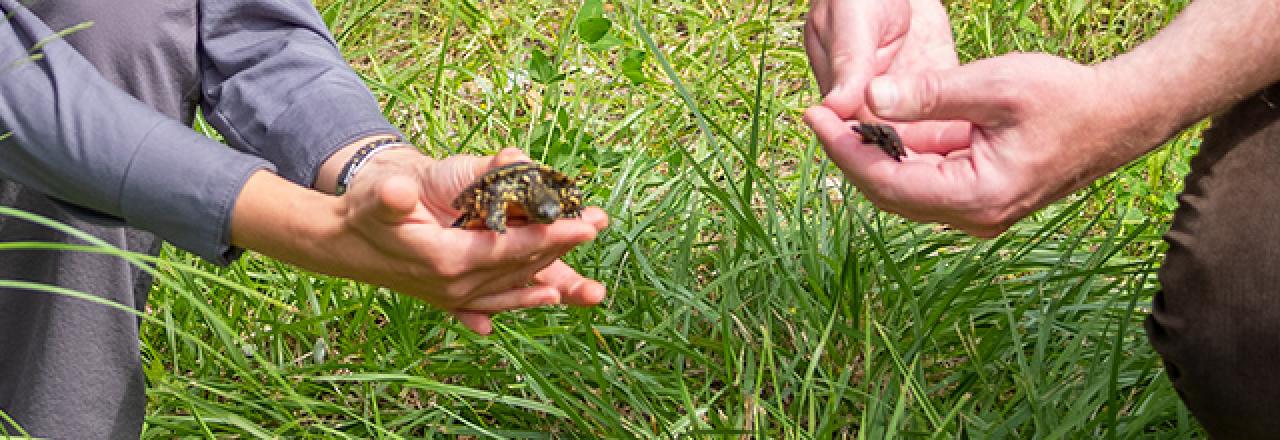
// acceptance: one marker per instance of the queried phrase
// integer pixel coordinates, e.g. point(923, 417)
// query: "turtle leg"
point(573, 209)
point(462, 220)
point(497, 218)
point(572, 213)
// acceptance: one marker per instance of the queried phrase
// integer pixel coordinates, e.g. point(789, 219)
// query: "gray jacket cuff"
point(183, 187)
point(322, 122)
point(308, 130)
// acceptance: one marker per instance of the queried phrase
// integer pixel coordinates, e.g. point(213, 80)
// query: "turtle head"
point(545, 205)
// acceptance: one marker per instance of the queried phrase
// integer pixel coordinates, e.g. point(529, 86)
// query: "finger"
point(508, 156)
point(819, 62)
point(512, 299)
point(936, 136)
point(816, 20)
point(596, 217)
point(519, 273)
point(504, 274)
point(574, 288)
point(843, 146)
point(925, 187)
point(525, 243)
point(476, 321)
point(496, 280)
point(462, 169)
point(488, 255)
point(976, 92)
point(451, 175)
point(851, 51)
point(555, 283)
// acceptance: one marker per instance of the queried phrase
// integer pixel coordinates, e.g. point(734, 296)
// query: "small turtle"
point(882, 135)
point(525, 190)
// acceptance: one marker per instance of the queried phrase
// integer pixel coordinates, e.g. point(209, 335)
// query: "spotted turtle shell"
point(511, 184)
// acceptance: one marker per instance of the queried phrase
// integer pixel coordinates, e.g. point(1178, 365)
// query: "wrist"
point(329, 173)
point(406, 159)
point(1143, 110)
point(285, 221)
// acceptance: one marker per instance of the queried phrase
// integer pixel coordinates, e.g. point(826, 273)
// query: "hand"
point(392, 229)
point(1043, 127)
point(851, 41)
point(401, 203)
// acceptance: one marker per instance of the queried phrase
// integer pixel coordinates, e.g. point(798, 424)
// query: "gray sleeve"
point(69, 133)
point(275, 84)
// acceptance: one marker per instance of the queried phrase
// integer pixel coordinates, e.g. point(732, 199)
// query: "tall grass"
point(753, 293)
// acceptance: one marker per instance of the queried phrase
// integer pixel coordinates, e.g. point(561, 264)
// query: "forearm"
point(278, 218)
point(1212, 55)
point(275, 84)
point(73, 135)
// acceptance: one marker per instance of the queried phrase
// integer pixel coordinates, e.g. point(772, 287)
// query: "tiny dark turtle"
point(523, 190)
point(882, 135)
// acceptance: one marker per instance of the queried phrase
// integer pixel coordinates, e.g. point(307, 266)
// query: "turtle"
point(526, 190)
point(882, 135)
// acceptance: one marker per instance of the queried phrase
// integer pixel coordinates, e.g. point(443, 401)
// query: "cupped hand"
point(849, 42)
point(400, 203)
point(1043, 127)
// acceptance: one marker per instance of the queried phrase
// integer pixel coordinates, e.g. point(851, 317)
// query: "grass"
point(752, 292)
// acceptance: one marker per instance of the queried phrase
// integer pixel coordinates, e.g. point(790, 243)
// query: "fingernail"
point(551, 300)
point(884, 95)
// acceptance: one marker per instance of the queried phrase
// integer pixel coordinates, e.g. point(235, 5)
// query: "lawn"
point(752, 292)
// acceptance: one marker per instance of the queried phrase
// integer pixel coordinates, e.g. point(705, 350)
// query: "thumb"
point(452, 174)
point(476, 321)
point(396, 198)
point(508, 156)
point(972, 92)
point(469, 167)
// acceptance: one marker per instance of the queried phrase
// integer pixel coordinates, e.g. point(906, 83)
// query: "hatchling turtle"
point(527, 190)
point(882, 135)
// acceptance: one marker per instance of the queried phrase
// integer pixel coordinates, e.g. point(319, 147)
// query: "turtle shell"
point(528, 191)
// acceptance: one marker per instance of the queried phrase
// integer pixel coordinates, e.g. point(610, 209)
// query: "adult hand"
point(401, 203)
point(392, 228)
point(1043, 127)
point(851, 41)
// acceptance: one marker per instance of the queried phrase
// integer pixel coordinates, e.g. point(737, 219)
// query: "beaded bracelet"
point(361, 157)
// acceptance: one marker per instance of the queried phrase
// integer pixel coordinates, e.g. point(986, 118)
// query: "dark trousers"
point(1216, 322)
point(69, 368)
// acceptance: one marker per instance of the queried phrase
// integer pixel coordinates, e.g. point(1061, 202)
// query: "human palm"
point(402, 204)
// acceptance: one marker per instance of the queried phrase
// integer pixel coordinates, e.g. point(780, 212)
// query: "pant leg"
point(1216, 322)
point(70, 369)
